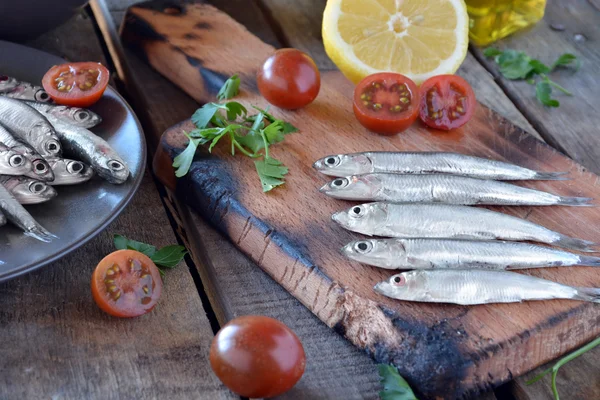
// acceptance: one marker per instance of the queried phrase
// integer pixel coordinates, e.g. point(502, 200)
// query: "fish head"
point(41, 170)
point(7, 83)
point(362, 218)
point(69, 172)
point(112, 169)
point(32, 191)
point(40, 94)
point(383, 253)
point(13, 161)
point(81, 116)
point(410, 286)
point(45, 141)
point(357, 187)
point(344, 165)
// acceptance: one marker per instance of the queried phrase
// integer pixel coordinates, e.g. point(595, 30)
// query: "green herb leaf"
point(235, 109)
point(203, 116)
point(218, 137)
point(169, 256)
point(491, 52)
point(271, 173)
point(515, 65)
point(230, 88)
point(539, 67)
point(543, 92)
point(122, 243)
point(394, 386)
point(567, 60)
point(287, 127)
point(252, 140)
point(184, 160)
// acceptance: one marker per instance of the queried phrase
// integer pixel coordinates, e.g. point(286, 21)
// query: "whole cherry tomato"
point(257, 356)
point(386, 103)
point(289, 79)
point(447, 102)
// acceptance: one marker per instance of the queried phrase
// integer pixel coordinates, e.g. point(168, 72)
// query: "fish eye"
point(52, 146)
point(332, 161)
point(37, 187)
point(82, 115)
point(75, 167)
point(339, 182)
point(41, 95)
point(39, 166)
point(357, 211)
point(16, 160)
point(398, 280)
point(115, 165)
point(363, 247)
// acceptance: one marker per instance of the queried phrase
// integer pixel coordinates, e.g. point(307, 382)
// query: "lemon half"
point(416, 38)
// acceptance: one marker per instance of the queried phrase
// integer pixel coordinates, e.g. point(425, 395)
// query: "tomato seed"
point(145, 289)
point(116, 296)
point(109, 281)
point(112, 288)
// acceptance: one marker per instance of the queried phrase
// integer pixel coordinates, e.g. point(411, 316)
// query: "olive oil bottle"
point(490, 20)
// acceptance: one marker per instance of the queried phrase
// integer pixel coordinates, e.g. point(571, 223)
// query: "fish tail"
point(589, 261)
point(576, 201)
point(41, 234)
point(577, 244)
point(551, 176)
point(588, 294)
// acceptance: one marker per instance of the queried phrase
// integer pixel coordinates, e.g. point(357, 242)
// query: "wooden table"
point(57, 344)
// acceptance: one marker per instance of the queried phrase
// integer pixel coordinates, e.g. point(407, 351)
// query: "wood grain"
point(56, 343)
point(469, 355)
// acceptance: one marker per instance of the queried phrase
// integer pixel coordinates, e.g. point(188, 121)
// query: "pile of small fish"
point(457, 254)
point(34, 133)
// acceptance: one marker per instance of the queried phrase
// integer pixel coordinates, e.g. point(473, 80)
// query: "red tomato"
point(126, 283)
point(386, 103)
point(447, 102)
point(78, 84)
point(289, 79)
point(257, 356)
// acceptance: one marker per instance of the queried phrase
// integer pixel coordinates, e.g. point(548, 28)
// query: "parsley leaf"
point(539, 67)
point(235, 109)
point(567, 60)
point(271, 173)
point(166, 257)
point(205, 114)
point(394, 386)
point(122, 243)
point(515, 66)
point(543, 92)
point(491, 52)
point(183, 161)
point(230, 88)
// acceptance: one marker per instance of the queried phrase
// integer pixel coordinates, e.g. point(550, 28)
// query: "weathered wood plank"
point(56, 343)
point(573, 126)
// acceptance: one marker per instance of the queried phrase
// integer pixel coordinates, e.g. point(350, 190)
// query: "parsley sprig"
point(167, 257)
point(250, 135)
point(230, 88)
point(395, 387)
point(515, 65)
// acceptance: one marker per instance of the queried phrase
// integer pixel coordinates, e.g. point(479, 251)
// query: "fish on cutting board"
point(447, 189)
point(448, 221)
point(460, 254)
point(428, 163)
point(27, 190)
point(469, 287)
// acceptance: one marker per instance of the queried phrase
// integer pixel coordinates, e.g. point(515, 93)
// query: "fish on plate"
point(447, 189)
point(450, 222)
point(19, 216)
point(28, 125)
point(71, 115)
point(469, 287)
point(69, 172)
point(12, 87)
point(28, 190)
point(460, 254)
point(428, 163)
point(12, 162)
point(40, 170)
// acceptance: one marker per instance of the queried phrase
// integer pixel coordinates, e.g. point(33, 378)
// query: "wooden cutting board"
point(445, 351)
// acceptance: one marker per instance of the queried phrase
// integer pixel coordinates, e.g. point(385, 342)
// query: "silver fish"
point(30, 126)
point(467, 287)
point(41, 170)
point(19, 216)
point(93, 150)
point(16, 89)
point(69, 172)
point(71, 115)
point(12, 162)
point(460, 254)
point(428, 163)
point(2, 222)
point(450, 222)
point(448, 189)
point(27, 190)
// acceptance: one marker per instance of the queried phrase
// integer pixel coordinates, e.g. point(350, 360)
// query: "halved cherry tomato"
point(126, 283)
point(257, 356)
point(79, 84)
point(386, 103)
point(447, 102)
point(289, 79)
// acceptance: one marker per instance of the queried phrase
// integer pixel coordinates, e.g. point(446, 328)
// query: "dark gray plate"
point(79, 212)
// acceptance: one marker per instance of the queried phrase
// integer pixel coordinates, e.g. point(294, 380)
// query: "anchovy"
point(69, 172)
point(12, 87)
point(27, 190)
point(16, 214)
point(460, 254)
point(41, 170)
point(450, 222)
point(428, 163)
point(467, 287)
point(71, 115)
point(93, 150)
point(12, 162)
point(448, 189)
point(30, 126)
point(2, 222)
